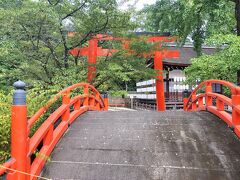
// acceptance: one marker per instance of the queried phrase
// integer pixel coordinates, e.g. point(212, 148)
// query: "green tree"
point(237, 14)
point(191, 18)
point(223, 65)
point(34, 35)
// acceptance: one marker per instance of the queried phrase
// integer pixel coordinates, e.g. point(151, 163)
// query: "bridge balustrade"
point(29, 154)
point(226, 107)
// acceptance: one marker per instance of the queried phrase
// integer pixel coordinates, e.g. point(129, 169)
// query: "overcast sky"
point(139, 4)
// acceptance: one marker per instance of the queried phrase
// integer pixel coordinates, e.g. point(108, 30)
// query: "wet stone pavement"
point(142, 145)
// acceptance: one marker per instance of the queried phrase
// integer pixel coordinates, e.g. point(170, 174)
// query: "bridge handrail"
point(29, 154)
point(63, 92)
point(234, 89)
point(204, 102)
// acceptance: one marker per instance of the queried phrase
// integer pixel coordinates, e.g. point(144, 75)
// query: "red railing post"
point(185, 99)
point(194, 103)
point(208, 89)
point(220, 105)
point(235, 114)
point(19, 134)
point(200, 102)
point(97, 102)
point(77, 105)
point(105, 101)
point(86, 94)
point(65, 101)
point(92, 101)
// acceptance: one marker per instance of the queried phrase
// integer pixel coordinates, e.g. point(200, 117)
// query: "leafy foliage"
point(4, 126)
point(224, 64)
point(191, 18)
point(118, 93)
point(34, 44)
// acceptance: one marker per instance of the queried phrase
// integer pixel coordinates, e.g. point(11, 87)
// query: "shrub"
point(36, 98)
point(5, 103)
point(118, 93)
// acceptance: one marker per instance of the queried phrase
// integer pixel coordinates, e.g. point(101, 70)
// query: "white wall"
point(176, 73)
point(149, 89)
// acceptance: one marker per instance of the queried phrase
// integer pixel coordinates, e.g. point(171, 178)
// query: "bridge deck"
point(146, 145)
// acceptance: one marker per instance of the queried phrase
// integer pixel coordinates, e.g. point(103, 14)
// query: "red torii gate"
point(159, 55)
point(93, 51)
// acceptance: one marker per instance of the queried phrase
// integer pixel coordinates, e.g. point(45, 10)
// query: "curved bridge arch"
point(41, 144)
point(216, 103)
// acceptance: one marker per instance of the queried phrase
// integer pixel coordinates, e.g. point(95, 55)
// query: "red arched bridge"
point(82, 140)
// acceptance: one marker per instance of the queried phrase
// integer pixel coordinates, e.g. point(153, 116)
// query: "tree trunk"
point(66, 59)
point(237, 11)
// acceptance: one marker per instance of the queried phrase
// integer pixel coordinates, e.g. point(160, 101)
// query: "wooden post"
point(105, 99)
point(208, 98)
point(86, 93)
point(194, 105)
point(19, 134)
point(66, 101)
point(235, 114)
point(92, 59)
point(220, 105)
point(185, 99)
point(158, 66)
point(167, 85)
point(97, 101)
point(200, 102)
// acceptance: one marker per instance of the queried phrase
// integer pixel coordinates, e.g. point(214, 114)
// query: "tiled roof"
point(186, 54)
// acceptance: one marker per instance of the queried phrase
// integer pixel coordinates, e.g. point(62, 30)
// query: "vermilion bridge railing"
point(226, 108)
point(29, 154)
